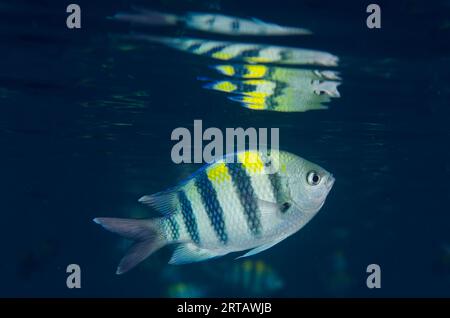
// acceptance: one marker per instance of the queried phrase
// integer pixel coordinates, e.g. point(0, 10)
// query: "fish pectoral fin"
point(260, 248)
point(267, 207)
point(272, 208)
point(190, 253)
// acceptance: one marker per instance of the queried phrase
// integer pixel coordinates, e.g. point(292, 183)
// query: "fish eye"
point(313, 178)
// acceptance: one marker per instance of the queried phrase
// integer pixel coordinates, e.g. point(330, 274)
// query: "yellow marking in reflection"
point(258, 59)
point(248, 265)
point(260, 267)
point(222, 56)
point(255, 71)
point(225, 86)
point(259, 95)
point(256, 106)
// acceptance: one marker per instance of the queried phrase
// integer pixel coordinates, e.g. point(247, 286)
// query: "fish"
point(245, 201)
point(251, 53)
point(300, 95)
point(274, 88)
point(210, 22)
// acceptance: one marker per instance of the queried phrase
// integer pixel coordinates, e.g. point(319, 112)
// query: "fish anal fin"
point(190, 253)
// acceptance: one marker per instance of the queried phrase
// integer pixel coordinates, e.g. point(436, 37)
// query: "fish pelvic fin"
point(146, 234)
point(261, 248)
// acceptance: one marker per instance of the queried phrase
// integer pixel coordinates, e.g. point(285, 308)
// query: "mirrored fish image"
point(252, 277)
point(186, 290)
point(238, 203)
point(277, 89)
point(209, 22)
point(337, 278)
point(243, 52)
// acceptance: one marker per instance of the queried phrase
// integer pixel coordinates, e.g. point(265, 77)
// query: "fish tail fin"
point(146, 234)
point(148, 17)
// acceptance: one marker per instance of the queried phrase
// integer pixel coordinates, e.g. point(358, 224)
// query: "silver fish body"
point(247, 201)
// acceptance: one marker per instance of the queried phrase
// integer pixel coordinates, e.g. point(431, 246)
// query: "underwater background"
point(85, 124)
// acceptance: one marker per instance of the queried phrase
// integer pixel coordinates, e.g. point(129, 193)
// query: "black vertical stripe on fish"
point(235, 25)
point(242, 183)
point(173, 228)
point(212, 205)
point(275, 182)
point(188, 217)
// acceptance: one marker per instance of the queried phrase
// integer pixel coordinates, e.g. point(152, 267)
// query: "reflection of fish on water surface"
point(208, 22)
point(245, 52)
point(249, 200)
point(186, 290)
point(248, 277)
point(276, 88)
point(337, 278)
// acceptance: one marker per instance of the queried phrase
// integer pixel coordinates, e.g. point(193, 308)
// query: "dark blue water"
point(85, 124)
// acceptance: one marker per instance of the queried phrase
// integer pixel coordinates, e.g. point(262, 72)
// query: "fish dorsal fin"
point(260, 248)
point(191, 253)
point(165, 202)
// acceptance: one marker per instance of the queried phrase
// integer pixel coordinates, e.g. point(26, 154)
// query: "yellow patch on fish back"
point(252, 162)
point(226, 69)
point(255, 71)
point(225, 86)
point(218, 173)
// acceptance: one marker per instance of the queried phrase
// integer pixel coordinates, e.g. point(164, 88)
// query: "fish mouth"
point(330, 182)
